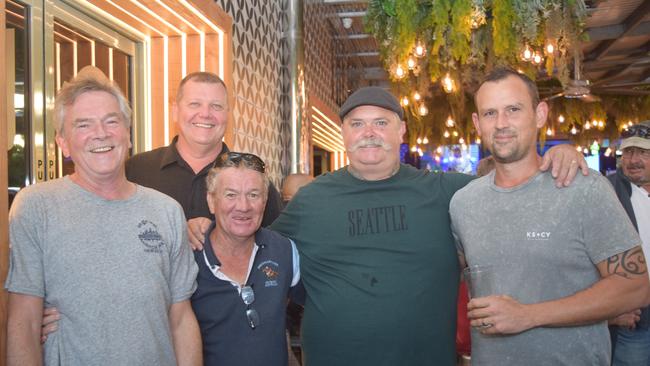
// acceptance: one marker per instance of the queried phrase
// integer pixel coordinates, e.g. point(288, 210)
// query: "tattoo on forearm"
point(630, 262)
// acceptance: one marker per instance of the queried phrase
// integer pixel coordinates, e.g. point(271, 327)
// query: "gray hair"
point(88, 80)
point(212, 179)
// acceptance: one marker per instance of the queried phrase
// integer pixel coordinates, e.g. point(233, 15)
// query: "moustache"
point(506, 132)
point(369, 142)
point(638, 165)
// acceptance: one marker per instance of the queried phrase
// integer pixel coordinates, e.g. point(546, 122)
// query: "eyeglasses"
point(248, 296)
point(237, 159)
point(630, 151)
point(636, 130)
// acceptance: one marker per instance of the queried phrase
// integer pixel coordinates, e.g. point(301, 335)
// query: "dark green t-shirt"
point(380, 268)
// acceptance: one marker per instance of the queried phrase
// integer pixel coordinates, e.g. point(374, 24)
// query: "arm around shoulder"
point(24, 330)
point(186, 335)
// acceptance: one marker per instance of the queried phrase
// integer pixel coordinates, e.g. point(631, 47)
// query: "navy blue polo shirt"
point(228, 339)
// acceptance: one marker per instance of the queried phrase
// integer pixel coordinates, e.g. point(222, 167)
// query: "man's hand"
point(51, 318)
point(196, 229)
point(499, 314)
point(564, 161)
point(627, 320)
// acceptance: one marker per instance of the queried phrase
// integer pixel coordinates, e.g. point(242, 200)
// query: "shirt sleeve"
point(288, 221)
point(607, 230)
point(26, 270)
point(183, 266)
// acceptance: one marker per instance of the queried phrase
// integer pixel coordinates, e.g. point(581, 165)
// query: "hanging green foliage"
point(506, 38)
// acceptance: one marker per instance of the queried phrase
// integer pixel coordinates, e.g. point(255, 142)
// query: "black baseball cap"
point(371, 95)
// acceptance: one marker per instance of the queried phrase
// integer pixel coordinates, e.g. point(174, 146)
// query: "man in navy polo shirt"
point(245, 272)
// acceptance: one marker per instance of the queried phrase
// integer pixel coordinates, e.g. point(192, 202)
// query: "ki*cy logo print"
point(150, 237)
point(538, 235)
point(271, 271)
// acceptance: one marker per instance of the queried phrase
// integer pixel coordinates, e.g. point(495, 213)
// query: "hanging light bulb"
point(448, 84)
point(455, 133)
point(425, 140)
point(587, 125)
point(537, 58)
point(404, 101)
point(410, 63)
point(420, 153)
point(560, 119)
point(417, 96)
point(574, 130)
point(446, 134)
point(550, 48)
point(549, 132)
point(419, 50)
point(439, 149)
point(528, 54)
point(585, 151)
point(423, 110)
point(399, 71)
point(578, 148)
point(414, 148)
point(601, 124)
point(478, 140)
point(461, 141)
point(450, 122)
point(418, 140)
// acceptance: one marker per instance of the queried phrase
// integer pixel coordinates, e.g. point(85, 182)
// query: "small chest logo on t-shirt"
point(538, 235)
point(150, 237)
point(377, 220)
point(271, 270)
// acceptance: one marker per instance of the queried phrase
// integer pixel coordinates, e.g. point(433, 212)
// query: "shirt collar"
point(172, 156)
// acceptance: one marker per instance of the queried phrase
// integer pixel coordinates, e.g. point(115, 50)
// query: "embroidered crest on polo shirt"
point(150, 237)
point(271, 270)
point(538, 235)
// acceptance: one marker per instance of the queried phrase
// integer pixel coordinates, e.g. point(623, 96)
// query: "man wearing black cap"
point(631, 335)
point(377, 255)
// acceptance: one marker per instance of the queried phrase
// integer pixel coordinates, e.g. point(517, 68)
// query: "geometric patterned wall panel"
point(325, 74)
point(257, 81)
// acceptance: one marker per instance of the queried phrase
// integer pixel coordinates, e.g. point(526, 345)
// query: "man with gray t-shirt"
point(559, 262)
point(112, 256)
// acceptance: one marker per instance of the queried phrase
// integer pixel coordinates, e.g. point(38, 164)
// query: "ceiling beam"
point(369, 73)
point(623, 91)
point(620, 71)
point(353, 36)
point(615, 31)
point(349, 14)
point(359, 54)
point(629, 24)
point(344, 1)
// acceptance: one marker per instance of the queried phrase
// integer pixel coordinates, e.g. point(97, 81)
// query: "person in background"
point(292, 183)
point(561, 261)
point(631, 332)
point(485, 166)
point(111, 255)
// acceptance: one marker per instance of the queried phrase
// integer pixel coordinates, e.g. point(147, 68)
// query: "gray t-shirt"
point(543, 244)
point(112, 268)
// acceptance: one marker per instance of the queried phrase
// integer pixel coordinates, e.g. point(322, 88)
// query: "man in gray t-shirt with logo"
point(559, 261)
point(112, 256)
